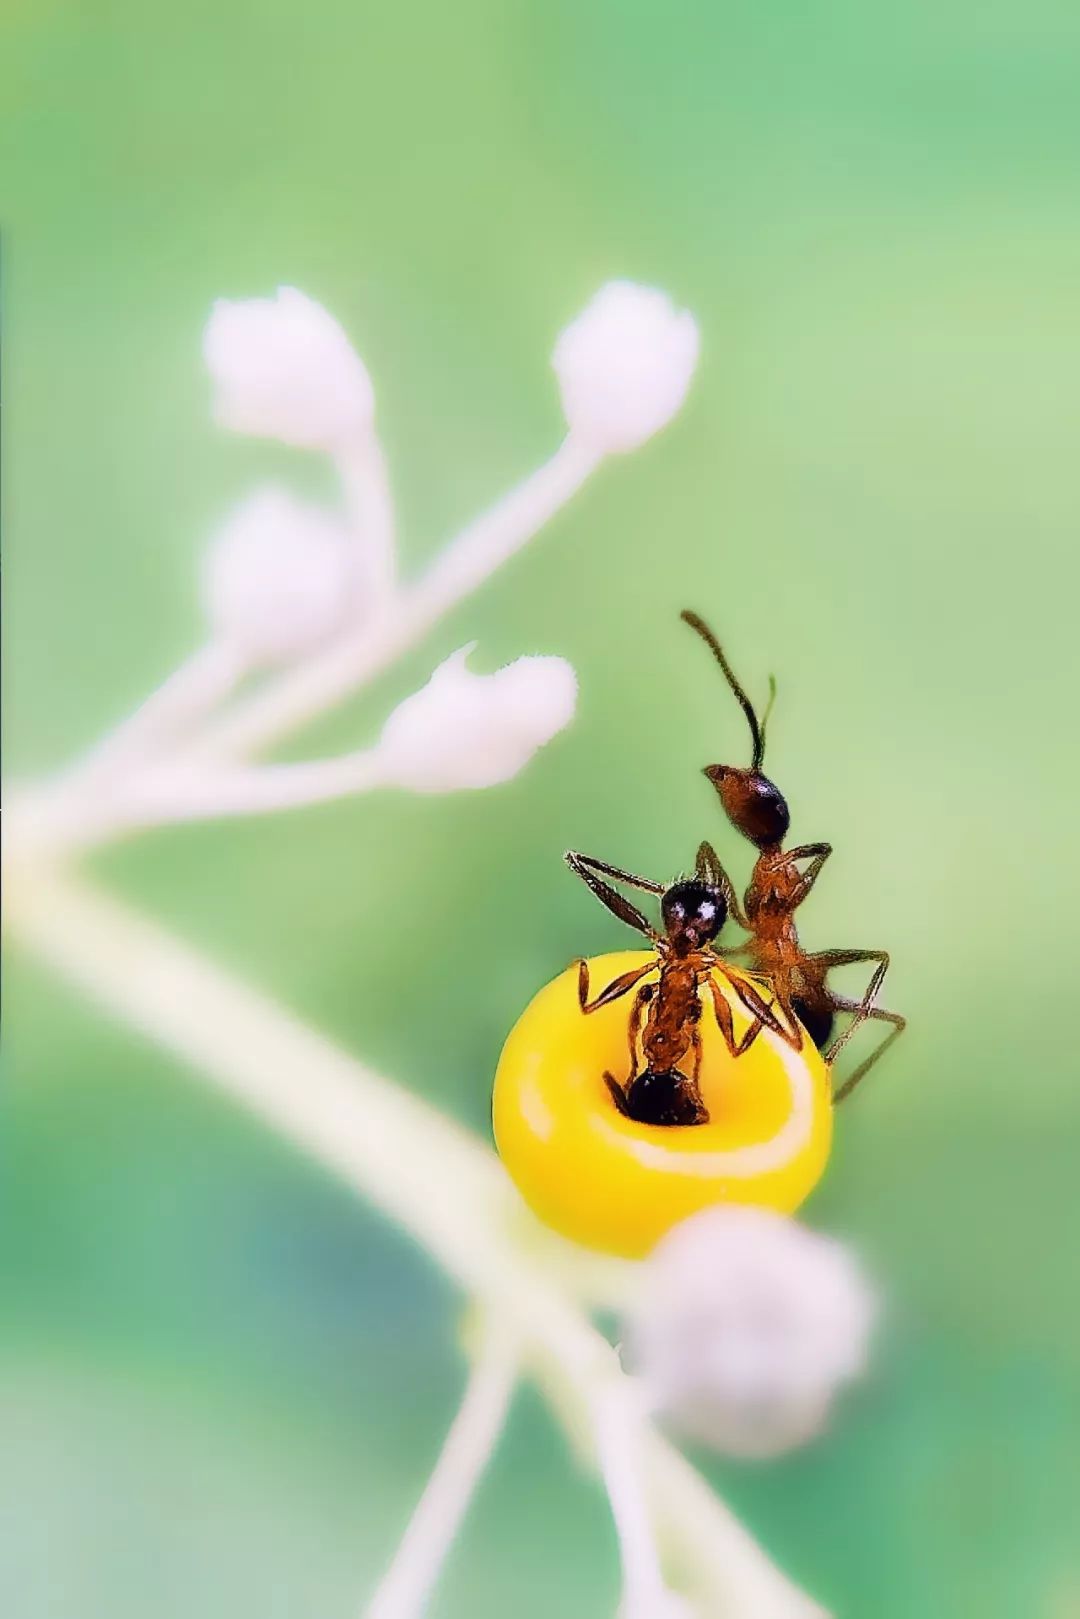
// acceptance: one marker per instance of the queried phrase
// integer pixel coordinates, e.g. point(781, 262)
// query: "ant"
point(756, 807)
point(693, 910)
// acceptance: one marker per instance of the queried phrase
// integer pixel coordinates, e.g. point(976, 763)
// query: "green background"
point(224, 1380)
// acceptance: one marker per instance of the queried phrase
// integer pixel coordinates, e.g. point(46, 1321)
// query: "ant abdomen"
point(659, 1096)
point(817, 1020)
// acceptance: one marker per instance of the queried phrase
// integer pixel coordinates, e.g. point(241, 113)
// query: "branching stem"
point(420, 1168)
point(439, 1514)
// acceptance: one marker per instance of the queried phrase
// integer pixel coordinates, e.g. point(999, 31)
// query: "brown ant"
point(756, 807)
point(693, 911)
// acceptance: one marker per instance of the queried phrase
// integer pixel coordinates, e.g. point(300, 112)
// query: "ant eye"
point(578, 1160)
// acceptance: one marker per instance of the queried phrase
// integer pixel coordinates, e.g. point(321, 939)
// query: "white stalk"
point(191, 692)
point(420, 1168)
point(621, 1457)
point(57, 822)
point(365, 483)
point(496, 535)
point(720, 1563)
point(297, 696)
point(433, 1176)
point(405, 1588)
point(188, 793)
point(459, 731)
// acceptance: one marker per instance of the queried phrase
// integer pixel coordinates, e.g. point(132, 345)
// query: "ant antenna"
point(768, 711)
point(757, 731)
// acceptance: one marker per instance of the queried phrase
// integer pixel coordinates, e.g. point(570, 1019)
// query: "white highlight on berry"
point(753, 1158)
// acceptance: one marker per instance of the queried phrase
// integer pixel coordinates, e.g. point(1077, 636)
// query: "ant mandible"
point(693, 911)
point(756, 807)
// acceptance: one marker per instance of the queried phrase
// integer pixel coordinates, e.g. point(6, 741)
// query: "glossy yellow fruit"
point(616, 1185)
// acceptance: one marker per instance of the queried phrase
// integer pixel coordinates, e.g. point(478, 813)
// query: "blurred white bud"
point(283, 368)
point(279, 578)
point(624, 365)
point(467, 730)
point(746, 1326)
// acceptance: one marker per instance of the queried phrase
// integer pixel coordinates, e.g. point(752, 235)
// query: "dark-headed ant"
point(756, 807)
point(693, 912)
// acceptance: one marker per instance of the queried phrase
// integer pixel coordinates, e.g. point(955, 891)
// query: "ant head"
point(693, 913)
point(754, 805)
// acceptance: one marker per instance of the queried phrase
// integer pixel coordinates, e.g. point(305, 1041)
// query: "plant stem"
point(621, 1457)
point(190, 793)
point(366, 486)
point(419, 1167)
point(190, 693)
point(473, 1434)
point(292, 699)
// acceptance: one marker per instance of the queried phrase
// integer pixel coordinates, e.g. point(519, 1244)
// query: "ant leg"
point(644, 883)
point(697, 1048)
point(726, 1023)
point(618, 1094)
point(752, 1001)
point(633, 1030)
point(633, 1027)
point(765, 1013)
point(883, 1015)
point(862, 1009)
point(820, 853)
point(618, 986)
point(693, 1085)
point(709, 870)
point(793, 1034)
point(585, 867)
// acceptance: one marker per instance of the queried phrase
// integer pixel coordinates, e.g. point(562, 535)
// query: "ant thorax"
point(775, 880)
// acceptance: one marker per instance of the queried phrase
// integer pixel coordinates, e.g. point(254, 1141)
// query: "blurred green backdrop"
point(223, 1379)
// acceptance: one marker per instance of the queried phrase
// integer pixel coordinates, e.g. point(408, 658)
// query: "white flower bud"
point(466, 730)
point(283, 368)
point(624, 365)
point(746, 1326)
point(279, 578)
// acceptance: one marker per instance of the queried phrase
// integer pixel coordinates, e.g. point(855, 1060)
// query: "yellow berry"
point(613, 1184)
